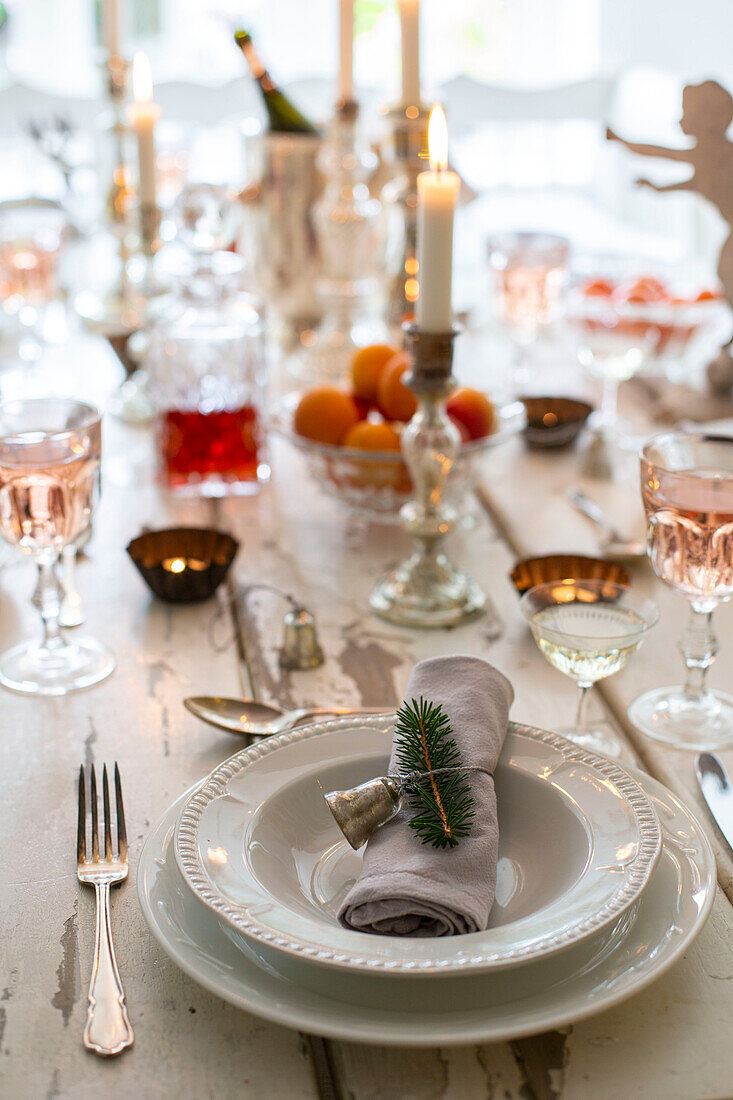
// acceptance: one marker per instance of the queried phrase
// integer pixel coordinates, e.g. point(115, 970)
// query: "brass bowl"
point(530, 572)
point(554, 421)
point(183, 564)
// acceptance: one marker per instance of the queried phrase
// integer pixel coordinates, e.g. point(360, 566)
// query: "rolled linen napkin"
point(407, 888)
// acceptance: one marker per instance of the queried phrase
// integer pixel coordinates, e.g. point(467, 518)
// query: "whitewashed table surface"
point(674, 1040)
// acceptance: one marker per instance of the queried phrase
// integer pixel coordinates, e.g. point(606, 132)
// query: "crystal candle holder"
point(427, 590)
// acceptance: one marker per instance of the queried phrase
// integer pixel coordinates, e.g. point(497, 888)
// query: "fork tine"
point(95, 822)
point(107, 821)
point(81, 825)
point(121, 830)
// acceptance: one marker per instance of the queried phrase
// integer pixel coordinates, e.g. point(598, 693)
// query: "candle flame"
point(142, 78)
point(438, 139)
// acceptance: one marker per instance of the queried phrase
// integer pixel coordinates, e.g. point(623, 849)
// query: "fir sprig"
point(424, 746)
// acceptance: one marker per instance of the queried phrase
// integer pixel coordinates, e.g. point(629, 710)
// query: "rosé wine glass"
point(49, 483)
point(687, 489)
point(530, 273)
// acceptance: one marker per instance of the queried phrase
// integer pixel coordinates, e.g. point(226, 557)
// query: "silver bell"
point(360, 811)
point(301, 648)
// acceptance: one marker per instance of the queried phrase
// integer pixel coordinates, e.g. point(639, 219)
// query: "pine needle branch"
point(425, 747)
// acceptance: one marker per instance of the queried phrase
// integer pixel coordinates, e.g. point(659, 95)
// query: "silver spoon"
point(247, 716)
point(612, 543)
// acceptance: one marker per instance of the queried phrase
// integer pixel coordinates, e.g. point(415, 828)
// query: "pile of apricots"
point(643, 291)
point(370, 416)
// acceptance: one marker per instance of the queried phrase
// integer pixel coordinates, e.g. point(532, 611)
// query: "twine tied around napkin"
point(406, 888)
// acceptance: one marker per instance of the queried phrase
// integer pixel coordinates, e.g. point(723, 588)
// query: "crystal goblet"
point(687, 489)
point(49, 483)
point(589, 630)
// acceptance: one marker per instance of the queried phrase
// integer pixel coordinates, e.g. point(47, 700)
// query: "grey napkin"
point(407, 888)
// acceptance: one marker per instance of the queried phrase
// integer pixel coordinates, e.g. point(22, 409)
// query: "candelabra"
point(405, 150)
point(350, 230)
point(427, 590)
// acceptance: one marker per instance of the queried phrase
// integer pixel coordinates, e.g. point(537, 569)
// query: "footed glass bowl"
point(375, 484)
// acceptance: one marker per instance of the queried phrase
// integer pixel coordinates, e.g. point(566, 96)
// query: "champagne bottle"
point(283, 115)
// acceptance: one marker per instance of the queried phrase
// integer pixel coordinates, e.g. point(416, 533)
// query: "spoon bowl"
point(249, 717)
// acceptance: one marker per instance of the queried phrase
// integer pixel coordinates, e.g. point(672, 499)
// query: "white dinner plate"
point(670, 914)
point(257, 844)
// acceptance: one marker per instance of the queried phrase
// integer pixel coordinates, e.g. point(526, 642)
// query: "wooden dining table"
point(672, 1040)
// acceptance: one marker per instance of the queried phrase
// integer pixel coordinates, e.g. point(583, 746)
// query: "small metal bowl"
point(530, 572)
point(183, 564)
point(554, 421)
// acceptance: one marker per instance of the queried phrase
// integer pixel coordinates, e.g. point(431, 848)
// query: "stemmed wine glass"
point(588, 630)
point(530, 272)
point(49, 484)
point(687, 489)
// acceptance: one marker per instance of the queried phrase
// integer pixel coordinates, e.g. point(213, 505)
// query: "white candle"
point(410, 28)
point(437, 192)
point(143, 116)
point(346, 50)
point(111, 13)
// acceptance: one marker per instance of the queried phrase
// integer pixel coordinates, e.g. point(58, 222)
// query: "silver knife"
point(717, 791)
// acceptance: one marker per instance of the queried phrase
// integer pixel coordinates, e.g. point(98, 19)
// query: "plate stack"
point(604, 879)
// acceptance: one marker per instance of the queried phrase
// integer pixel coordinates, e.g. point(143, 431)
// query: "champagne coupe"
point(687, 488)
point(49, 483)
point(588, 630)
point(530, 272)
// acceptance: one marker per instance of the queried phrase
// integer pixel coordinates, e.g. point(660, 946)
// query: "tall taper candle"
point(437, 192)
point(111, 13)
point(410, 28)
point(346, 50)
point(143, 116)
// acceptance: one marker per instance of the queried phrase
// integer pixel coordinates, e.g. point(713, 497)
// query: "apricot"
point(366, 368)
point(473, 409)
point(598, 288)
point(643, 290)
point(462, 429)
point(395, 401)
point(367, 436)
point(325, 414)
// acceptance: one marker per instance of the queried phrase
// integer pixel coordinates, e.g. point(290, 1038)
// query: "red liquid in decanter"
point(202, 446)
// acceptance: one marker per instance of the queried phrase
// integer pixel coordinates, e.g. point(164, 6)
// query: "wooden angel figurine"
point(707, 112)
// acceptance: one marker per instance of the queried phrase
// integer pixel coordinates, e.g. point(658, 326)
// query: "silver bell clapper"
point(301, 648)
point(360, 811)
point(427, 590)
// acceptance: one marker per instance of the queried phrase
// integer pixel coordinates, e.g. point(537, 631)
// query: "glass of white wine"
point(588, 630)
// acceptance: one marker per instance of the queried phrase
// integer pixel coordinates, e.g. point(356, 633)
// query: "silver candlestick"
point(406, 151)
point(426, 590)
point(349, 227)
point(119, 193)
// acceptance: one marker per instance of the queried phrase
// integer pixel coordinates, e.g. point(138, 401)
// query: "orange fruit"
point(325, 414)
point(366, 367)
point(367, 436)
point(395, 401)
point(472, 409)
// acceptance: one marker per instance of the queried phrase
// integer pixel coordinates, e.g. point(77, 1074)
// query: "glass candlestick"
point(427, 590)
point(119, 192)
point(405, 150)
point(350, 230)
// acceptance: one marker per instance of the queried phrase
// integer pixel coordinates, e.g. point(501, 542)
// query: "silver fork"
point(108, 1029)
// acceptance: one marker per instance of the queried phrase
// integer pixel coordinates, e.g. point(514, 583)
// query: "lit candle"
point(346, 50)
point(143, 116)
point(437, 192)
point(410, 28)
point(111, 26)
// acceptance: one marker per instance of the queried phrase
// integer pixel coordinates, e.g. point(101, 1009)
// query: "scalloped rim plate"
point(217, 837)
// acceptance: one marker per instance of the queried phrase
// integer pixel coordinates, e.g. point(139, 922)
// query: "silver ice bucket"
point(279, 238)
